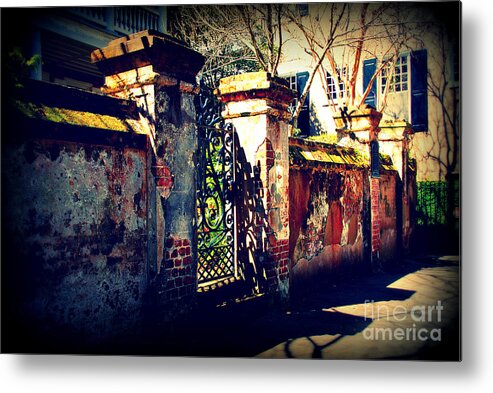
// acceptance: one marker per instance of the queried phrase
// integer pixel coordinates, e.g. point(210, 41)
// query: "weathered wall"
point(171, 112)
point(257, 106)
point(159, 74)
point(330, 217)
point(74, 239)
point(176, 141)
point(327, 218)
point(389, 205)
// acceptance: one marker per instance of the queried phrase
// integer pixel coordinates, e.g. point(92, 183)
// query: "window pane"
point(303, 9)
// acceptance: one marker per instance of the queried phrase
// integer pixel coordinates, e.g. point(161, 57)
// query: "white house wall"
point(424, 145)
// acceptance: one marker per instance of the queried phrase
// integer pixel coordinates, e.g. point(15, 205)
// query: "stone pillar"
point(257, 105)
point(359, 128)
point(375, 198)
point(159, 72)
point(394, 141)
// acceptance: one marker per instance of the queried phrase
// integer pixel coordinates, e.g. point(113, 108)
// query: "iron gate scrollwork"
point(215, 207)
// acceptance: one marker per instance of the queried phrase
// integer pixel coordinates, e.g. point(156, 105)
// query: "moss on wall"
point(74, 117)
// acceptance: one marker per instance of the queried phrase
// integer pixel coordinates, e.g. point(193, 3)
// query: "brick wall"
point(388, 216)
point(327, 220)
point(97, 233)
point(341, 219)
point(257, 105)
point(181, 276)
point(375, 216)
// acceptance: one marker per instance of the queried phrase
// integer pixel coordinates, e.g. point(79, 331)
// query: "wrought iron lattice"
point(215, 209)
point(431, 207)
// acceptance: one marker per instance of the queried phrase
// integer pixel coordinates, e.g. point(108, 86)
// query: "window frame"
point(291, 79)
point(400, 76)
point(303, 9)
point(293, 85)
point(331, 82)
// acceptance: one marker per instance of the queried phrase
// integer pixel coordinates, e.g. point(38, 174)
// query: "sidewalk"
point(411, 313)
point(418, 319)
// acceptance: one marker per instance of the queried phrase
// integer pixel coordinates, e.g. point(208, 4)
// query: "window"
point(303, 9)
point(292, 82)
point(298, 82)
point(409, 75)
point(332, 84)
point(293, 85)
point(399, 80)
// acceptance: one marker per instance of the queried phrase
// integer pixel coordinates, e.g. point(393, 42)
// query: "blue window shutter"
point(304, 117)
point(419, 90)
point(369, 69)
point(301, 79)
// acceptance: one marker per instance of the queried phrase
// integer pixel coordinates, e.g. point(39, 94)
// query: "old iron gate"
point(215, 207)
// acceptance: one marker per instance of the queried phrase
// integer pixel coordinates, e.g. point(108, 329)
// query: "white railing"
point(126, 20)
point(132, 19)
point(94, 14)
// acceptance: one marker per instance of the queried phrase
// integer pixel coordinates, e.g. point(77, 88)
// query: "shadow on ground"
point(311, 325)
point(249, 328)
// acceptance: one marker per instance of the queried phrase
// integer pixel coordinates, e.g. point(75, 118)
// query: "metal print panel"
point(260, 180)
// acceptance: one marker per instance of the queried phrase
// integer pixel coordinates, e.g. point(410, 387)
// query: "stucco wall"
point(331, 222)
point(74, 238)
point(389, 221)
point(327, 222)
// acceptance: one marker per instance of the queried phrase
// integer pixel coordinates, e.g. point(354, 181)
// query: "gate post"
point(159, 73)
point(257, 105)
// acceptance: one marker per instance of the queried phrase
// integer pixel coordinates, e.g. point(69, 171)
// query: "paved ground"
point(416, 317)
point(409, 313)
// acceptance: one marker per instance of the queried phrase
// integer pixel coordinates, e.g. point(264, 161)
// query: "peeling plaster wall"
point(176, 143)
point(330, 218)
point(389, 205)
point(257, 105)
point(74, 238)
point(172, 198)
point(327, 219)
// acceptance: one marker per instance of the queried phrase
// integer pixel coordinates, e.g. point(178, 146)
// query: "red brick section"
point(277, 270)
point(182, 280)
point(265, 156)
point(375, 215)
point(163, 176)
point(281, 255)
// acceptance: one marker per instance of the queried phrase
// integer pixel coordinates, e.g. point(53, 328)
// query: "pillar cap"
point(357, 119)
point(397, 130)
point(166, 54)
point(254, 85)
